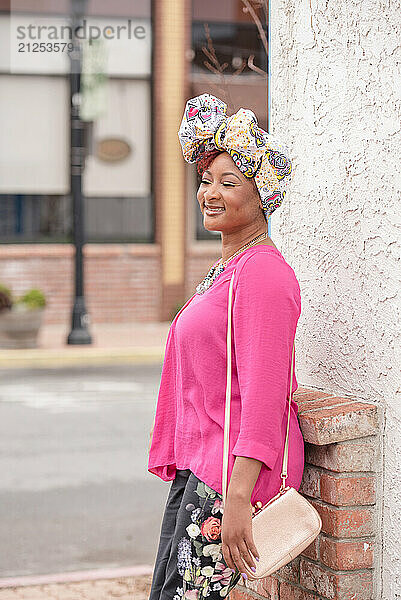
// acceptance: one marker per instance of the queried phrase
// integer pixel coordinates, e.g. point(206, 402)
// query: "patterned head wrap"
point(205, 126)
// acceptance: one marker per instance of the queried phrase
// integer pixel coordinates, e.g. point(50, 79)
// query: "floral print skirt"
point(189, 563)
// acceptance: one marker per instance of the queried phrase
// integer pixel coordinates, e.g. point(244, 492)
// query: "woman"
point(204, 545)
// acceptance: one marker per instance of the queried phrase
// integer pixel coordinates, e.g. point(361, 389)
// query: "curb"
point(77, 356)
point(74, 576)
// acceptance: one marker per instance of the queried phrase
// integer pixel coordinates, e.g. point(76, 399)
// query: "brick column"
point(341, 457)
point(171, 34)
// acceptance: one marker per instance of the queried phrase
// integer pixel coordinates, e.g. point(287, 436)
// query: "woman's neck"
point(231, 243)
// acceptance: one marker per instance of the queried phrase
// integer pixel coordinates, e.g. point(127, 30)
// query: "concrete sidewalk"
point(112, 343)
point(105, 584)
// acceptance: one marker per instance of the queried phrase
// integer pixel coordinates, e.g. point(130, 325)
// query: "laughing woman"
point(204, 545)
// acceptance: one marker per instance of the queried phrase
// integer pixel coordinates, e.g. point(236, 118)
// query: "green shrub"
point(5, 302)
point(33, 299)
point(6, 291)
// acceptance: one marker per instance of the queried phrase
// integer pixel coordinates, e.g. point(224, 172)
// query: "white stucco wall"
point(336, 100)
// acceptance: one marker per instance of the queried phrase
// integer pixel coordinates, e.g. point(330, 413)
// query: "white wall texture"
point(336, 101)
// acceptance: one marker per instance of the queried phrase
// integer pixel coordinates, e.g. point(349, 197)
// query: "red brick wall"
point(340, 476)
point(122, 281)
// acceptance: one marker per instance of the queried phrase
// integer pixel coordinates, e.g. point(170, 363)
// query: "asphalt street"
point(75, 492)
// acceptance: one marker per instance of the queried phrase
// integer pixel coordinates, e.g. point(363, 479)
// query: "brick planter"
point(341, 445)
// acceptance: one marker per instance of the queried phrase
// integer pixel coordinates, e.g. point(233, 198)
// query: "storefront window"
point(45, 219)
point(35, 202)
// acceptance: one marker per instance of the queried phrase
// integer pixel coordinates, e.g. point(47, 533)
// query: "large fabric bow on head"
point(205, 126)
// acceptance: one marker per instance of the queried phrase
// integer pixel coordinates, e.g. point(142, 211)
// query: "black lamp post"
point(79, 333)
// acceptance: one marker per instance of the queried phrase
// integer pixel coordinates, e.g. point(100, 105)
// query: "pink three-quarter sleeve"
point(266, 308)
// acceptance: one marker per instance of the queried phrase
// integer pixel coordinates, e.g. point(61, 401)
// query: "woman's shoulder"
point(265, 263)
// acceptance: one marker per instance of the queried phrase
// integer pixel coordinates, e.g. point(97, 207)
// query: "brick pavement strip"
point(121, 588)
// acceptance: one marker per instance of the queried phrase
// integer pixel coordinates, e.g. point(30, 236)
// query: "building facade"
point(146, 245)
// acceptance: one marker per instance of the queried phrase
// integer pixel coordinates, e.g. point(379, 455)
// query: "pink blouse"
point(189, 420)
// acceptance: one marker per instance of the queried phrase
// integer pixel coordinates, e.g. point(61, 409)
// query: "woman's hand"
point(236, 534)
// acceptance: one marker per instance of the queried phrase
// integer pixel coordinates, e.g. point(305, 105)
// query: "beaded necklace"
point(217, 269)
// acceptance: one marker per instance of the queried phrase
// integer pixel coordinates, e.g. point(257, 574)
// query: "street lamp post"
point(79, 333)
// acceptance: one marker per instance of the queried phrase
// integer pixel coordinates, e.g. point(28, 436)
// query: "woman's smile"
point(211, 210)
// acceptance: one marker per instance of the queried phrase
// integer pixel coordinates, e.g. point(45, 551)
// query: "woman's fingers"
point(238, 560)
point(252, 548)
point(227, 556)
point(239, 549)
point(247, 556)
point(238, 556)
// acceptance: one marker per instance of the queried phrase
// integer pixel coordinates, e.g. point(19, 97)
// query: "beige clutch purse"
point(287, 523)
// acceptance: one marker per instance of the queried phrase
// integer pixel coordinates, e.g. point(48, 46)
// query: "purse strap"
point(284, 473)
